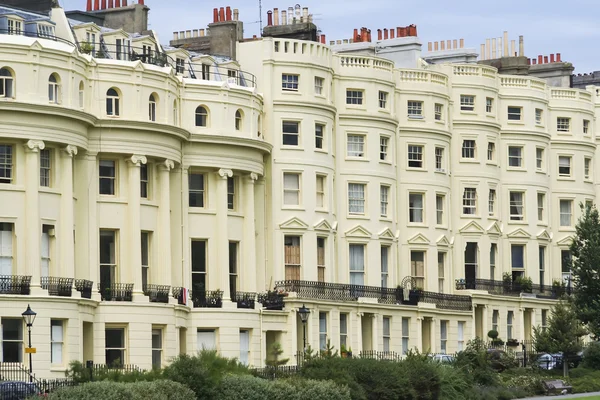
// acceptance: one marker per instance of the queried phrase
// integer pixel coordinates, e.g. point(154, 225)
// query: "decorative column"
point(67, 210)
point(134, 242)
point(419, 337)
point(33, 230)
point(358, 330)
point(521, 328)
point(164, 222)
point(248, 278)
point(182, 275)
point(222, 266)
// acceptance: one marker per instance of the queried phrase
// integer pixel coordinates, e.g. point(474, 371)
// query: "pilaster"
point(222, 266)
point(32, 205)
point(67, 205)
point(133, 241)
point(164, 223)
point(248, 270)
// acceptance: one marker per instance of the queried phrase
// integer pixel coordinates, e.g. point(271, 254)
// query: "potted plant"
point(85, 47)
point(493, 334)
point(349, 352)
point(525, 284)
point(558, 288)
point(507, 282)
point(512, 342)
point(343, 351)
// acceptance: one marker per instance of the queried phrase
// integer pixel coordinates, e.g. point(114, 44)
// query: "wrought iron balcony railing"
point(177, 293)
point(157, 293)
point(116, 291)
point(271, 300)
point(510, 288)
point(207, 298)
point(57, 286)
point(15, 284)
point(84, 287)
point(447, 301)
point(244, 299)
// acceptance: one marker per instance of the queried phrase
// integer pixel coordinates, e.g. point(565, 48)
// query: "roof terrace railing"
point(36, 35)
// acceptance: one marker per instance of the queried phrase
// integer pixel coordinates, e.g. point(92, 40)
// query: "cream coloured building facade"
point(390, 201)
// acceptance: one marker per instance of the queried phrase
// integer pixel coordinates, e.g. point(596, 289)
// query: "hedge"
point(106, 390)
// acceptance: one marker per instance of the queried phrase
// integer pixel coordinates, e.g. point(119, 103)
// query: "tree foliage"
point(585, 269)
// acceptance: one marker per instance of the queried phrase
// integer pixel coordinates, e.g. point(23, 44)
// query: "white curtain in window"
point(244, 347)
point(565, 213)
point(357, 264)
point(45, 252)
point(291, 188)
point(6, 252)
point(416, 207)
point(207, 340)
point(57, 342)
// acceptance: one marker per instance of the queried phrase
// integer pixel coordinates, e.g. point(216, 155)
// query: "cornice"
point(232, 141)
point(55, 111)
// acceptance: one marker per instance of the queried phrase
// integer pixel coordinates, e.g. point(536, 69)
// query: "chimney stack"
point(275, 16)
point(89, 6)
point(455, 44)
point(462, 43)
point(194, 33)
point(429, 47)
point(482, 51)
point(385, 34)
point(513, 52)
point(305, 14)
point(290, 15)
point(283, 17)
point(551, 58)
point(488, 49)
point(379, 34)
point(494, 48)
point(442, 45)
point(521, 47)
point(505, 42)
point(188, 34)
point(323, 39)
point(355, 36)
point(228, 13)
point(558, 57)
point(435, 46)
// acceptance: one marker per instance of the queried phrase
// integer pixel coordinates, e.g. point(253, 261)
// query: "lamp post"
point(29, 317)
point(303, 311)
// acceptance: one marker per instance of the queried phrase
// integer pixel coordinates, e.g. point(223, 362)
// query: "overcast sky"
point(571, 28)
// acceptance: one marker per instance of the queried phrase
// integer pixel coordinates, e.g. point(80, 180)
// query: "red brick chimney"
point(89, 5)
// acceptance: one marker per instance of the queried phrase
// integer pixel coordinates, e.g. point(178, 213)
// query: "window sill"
point(58, 368)
point(293, 148)
point(565, 178)
point(233, 213)
point(441, 227)
point(49, 190)
point(356, 107)
point(361, 159)
point(516, 169)
point(147, 202)
point(516, 222)
point(542, 223)
point(441, 171)
point(440, 122)
point(357, 216)
point(588, 180)
point(566, 229)
point(470, 216)
point(291, 92)
point(539, 171)
point(322, 210)
point(416, 169)
point(468, 112)
point(104, 198)
point(385, 162)
point(321, 96)
point(200, 211)
point(492, 163)
point(417, 225)
point(293, 208)
point(519, 122)
point(469, 160)
point(322, 151)
point(417, 119)
point(385, 219)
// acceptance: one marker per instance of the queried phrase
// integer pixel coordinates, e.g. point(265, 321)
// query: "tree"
point(563, 334)
point(585, 269)
point(276, 352)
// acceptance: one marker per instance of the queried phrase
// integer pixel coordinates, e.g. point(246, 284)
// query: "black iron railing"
point(207, 298)
point(85, 287)
point(116, 291)
point(157, 293)
point(57, 286)
point(513, 288)
point(15, 284)
point(271, 300)
point(177, 293)
point(126, 53)
point(218, 74)
point(35, 35)
point(447, 301)
point(380, 355)
point(347, 292)
point(244, 299)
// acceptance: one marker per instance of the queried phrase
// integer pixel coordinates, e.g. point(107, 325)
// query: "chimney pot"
point(338, 42)
point(385, 34)
point(124, 3)
point(355, 36)
point(494, 48)
point(331, 42)
point(443, 45)
point(305, 13)
point(290, 15)
point(221, 14)
point(269, 18)
point(194, 33)
point(449, 45)
point(429, 46)
point(236, 14)
point(462, 43)
point(175, 35)
point(551, 58)
point(89, 5)
point(545, 59)
point(540, 59)
point(455, 44)
point(398, 32)
point(201, 32)
point(512, 48)
point(215, 15)
point(141, 2)
point(379, 34)
point(412, 28)
point(228, 13)
point(254, 37)
point(482, 51)
point(533, 61)
point(323, 39)
point(283, 17)
point(369, 35)
point(529, 61)
point(506, 44)
point(558, 57)
point(521, 46)
point(392, 33)
point(117, 3)
point(436, 46)
point(103, 4)
point(188, 34)
point(345, 41)
point(275, 16)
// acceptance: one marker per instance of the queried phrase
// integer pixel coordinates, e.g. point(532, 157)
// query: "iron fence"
point(271, 300)
point(56, 286)
point(244, 299)
point(125, 52)
point(207, 298)
point(157, 293)
point(513, 288)
point(276, 372)
point(116, 291)
point(447, 301)
point(84, 287)
point(36, 35)
point(15, 284)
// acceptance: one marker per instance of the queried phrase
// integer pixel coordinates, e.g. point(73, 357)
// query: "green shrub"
point(591, 356)
point(202, 373)
point(585, 380)
point(80, 374)
point(234, 387)
point(105, 390)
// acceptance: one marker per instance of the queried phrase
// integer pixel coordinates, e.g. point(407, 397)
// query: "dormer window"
point(15, 27)
point(179, 65)
point(45, 30)
point(89, 47)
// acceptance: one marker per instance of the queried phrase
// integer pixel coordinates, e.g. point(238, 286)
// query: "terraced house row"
point(157, 200)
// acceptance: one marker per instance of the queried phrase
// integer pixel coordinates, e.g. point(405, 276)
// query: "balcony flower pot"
point(512, 342)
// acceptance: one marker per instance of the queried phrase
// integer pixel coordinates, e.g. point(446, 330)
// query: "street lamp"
point(29, 317)
point(303, 311)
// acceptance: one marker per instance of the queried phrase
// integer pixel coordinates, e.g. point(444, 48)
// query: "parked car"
point(18, 390)
point(549, 361)
point(442, 358)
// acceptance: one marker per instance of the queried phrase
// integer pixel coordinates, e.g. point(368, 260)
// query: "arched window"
point(53, 89)
point(152, 107)
point(6, 83)
point(113, 100)
point(238, 120)
point(201, 116)
point(81, 94)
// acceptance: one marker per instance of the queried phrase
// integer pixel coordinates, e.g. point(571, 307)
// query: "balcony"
point(271, 300)
point(15, 284)
point(244, 299)
point(207, 298)
point(157, 293)
point(55, 286)
point(110, 51)
point(444, 301)
point(84, 287)
point(178, 293)
point(511, 288)
point(116, 291)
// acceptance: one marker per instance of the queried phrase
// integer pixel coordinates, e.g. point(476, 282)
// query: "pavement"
point(566, 396)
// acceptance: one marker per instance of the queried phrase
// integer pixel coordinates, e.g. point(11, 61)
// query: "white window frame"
point(489, 105)
point(319, 136)
point(323, 330)
point(565, 216)
point(19, 341)
point(444, 336)
point(54, 93)
point(354, 97)
point(384, 194)
point(541, 207)
point(587, 168)
point(439, 159)
point(319, 84)
point(45, 167)
point(414, 268)
point(514, 113)
point(467, 102)
point(510, 316)
point(415, 156)
point(292, 135)
point(491, 151)
point(415, 109)
point(357, 198)
point(516, 205)
point(6, 248)
point(357, 271)
point(385, 265)
point(492, 202)
point(539, 159)
point(563, 168)
point(469, 201)
point(57, 332)
point(586, 126)
point(386, 333)
point(321, 183)
point(441, 259)
point(563, 124)
point(383, 148)
point(112, 178)
point(232, 193)
point(383, 99)
point(440, 201)
point(469, 149)
point(113, 103)
point(157, 351)
point(355, 145)
point(122, 349)
point(515, 156)
point(438, 110)
point(245, 340)
point(461, 335)
point(539, 116)
point(292, 191)
point(200, 190)
point(290, 82)
point(416, 215)
point(405, 335)
point(7, 81)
